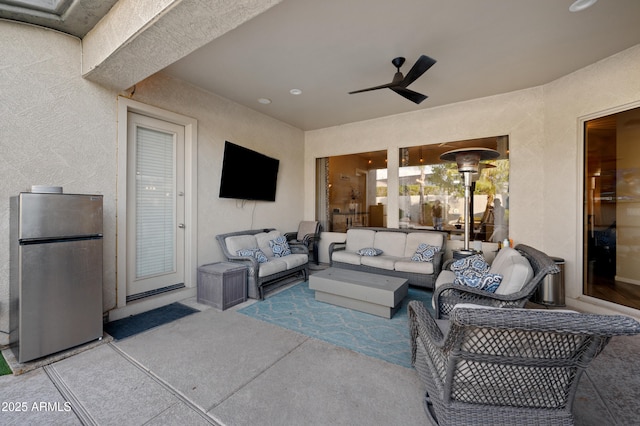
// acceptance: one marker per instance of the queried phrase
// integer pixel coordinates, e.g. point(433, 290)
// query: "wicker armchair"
point(506, 366)
point(447, 295)
point(308, 233)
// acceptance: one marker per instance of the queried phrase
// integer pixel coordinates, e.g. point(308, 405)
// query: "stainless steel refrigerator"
point(56, 272)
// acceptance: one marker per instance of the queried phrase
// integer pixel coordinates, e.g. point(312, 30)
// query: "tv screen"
point(248, 175)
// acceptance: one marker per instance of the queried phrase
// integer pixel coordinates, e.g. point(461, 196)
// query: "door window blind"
point(155, 202)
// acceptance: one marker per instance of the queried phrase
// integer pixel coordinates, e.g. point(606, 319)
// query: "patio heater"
point(468, 160)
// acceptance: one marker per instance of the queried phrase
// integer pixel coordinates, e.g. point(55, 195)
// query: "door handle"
point(181, 225)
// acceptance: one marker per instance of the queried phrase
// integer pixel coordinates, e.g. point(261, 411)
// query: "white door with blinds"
point(155, 206)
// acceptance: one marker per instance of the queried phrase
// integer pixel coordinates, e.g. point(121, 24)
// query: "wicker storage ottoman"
point(222, 285)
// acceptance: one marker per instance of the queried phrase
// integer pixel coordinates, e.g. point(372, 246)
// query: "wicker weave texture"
point(507, 366)
point(308, 234)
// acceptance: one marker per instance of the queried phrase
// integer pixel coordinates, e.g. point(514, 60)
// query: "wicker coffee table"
point(361, 291)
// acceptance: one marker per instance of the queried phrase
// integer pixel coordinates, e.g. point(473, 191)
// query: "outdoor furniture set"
point(483, 358)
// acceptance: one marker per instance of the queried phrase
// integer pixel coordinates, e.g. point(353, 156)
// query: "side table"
point(222, 284)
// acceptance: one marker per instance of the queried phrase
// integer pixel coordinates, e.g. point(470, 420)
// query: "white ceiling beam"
point(138, 38)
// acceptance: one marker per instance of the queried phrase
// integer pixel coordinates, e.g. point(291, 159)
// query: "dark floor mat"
point(127, 327)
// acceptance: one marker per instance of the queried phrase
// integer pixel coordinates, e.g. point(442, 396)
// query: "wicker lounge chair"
point(308, 234)
point(506, 366)
point(447, 295)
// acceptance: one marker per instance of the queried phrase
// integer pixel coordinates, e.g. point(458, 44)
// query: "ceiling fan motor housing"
point(398, 62)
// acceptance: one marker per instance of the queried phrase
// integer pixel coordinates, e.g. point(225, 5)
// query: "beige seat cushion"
point(408, 265)
point(391, 243)
point(445, 277)
point(516, 272)
point(359, 238)
point(293, 260)
point(305, 228)
point(344, 256)
point(239, 242)
point(263, 239)
point(500, 259)
point(272, 267)
point(414, 239)
point(381, 261)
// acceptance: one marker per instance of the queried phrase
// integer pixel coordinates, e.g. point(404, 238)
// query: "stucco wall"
point(55, 129)
point(608, 86)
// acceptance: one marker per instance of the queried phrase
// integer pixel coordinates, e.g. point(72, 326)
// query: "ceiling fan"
point(400, 82)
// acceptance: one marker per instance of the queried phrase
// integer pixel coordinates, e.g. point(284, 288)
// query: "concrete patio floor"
point(224, 368)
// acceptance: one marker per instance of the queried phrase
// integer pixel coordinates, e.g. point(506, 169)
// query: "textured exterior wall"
point(55, 129)
point(608, 86)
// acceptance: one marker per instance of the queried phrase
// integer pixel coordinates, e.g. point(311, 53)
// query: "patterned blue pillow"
point(483, 281)
point(425, 253)
point(280, 247)
point(253, 252)
point(475, 262)
point(369, 251)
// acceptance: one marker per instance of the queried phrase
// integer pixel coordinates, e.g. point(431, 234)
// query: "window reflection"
point(353, 191)
point(432, 191)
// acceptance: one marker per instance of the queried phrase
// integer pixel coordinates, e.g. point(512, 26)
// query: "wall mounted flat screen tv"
point(247, 174)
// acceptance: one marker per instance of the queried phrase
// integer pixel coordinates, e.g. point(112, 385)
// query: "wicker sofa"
point(397, 246)
point(274, 269)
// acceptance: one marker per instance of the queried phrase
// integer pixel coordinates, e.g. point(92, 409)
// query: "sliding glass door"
point(612, 208)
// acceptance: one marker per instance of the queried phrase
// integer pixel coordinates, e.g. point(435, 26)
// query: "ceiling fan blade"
point(383, 86)
point(409, 94)
point(420, 67)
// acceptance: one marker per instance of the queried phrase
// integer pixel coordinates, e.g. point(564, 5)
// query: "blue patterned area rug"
point(296, 309)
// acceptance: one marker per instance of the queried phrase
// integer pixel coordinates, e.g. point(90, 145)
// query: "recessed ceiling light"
point(579, 5)
point(295, 91)
point(264, 101)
